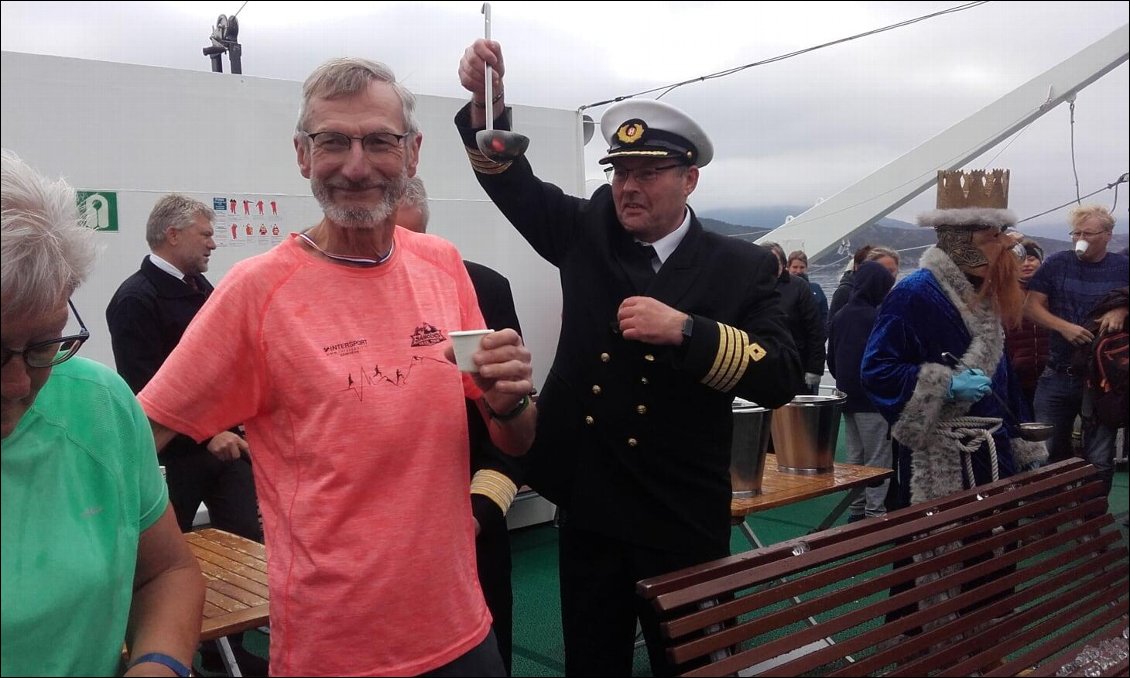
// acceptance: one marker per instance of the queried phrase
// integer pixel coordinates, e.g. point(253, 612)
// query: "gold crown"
point(975, 188)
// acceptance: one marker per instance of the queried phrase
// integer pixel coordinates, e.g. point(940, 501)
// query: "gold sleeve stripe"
point(723, 342)
point(731, 360)
point(736, 340)
point(494, 486)
point(727, 351)
point(484, 165)
point(739, 341)
point(742, 363)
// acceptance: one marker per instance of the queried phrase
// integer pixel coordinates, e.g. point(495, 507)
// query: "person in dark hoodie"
point(868, 440)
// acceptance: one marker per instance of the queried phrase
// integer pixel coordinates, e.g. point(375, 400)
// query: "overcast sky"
point(786, 133)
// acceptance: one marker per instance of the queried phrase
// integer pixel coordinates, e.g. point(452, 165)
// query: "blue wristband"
point(165, 660)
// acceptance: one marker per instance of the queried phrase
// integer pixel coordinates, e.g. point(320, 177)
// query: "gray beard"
point(362, 217)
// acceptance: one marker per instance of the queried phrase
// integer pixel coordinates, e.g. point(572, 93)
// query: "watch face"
point(688, 325)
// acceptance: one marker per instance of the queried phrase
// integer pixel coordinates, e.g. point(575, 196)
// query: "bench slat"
point(696, 621)
point(1020, 574)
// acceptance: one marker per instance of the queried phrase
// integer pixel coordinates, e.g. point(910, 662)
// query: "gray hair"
point(878, 252)
point(174, 211)
point(46, 252)
point(346, 76)
point(415, 195)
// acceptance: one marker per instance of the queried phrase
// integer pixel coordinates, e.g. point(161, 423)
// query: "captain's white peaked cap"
point(645, 128)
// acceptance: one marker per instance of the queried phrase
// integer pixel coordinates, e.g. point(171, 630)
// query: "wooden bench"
point(1015, 577)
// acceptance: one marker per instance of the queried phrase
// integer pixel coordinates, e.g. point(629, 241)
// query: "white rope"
point(969, 433)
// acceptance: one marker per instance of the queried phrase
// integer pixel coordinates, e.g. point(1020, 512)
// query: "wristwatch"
point(688, 327)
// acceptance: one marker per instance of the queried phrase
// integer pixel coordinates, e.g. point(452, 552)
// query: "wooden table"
point(779, 488)
point(236, 599)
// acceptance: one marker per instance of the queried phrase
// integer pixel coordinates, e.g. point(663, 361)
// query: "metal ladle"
point(497, 144)
point(1031, 431)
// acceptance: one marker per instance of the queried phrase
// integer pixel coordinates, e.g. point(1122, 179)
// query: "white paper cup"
point(1081, 247)
point(466, 342)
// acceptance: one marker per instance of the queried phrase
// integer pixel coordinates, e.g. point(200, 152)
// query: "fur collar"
point(936, 469)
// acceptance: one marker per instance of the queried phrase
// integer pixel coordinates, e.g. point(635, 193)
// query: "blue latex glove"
point(969, 386)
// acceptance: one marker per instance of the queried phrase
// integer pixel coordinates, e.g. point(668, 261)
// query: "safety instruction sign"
point(99, 209)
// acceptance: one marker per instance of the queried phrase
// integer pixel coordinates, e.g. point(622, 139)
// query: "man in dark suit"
point(495, 476)
point(147, 316)
point(663, 324)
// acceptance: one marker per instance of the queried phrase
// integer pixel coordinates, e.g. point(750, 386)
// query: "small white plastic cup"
point(1081, 247)
point(466, 342)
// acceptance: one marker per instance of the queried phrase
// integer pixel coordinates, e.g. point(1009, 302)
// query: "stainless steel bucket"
point(747, 450)
point(805, 433)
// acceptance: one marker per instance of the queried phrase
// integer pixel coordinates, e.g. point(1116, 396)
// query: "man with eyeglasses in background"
point(663, 323)
point(333, 349)
point(1061, 295)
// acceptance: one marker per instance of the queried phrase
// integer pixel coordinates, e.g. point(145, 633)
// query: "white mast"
point(822, 227)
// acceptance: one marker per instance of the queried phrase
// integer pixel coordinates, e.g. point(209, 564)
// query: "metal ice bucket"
point(805, 432)
point(748, 448)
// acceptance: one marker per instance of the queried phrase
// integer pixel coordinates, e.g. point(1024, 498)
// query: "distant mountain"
point(906, 238)
point(763, 218)
point(750, 233)
point(909, 240)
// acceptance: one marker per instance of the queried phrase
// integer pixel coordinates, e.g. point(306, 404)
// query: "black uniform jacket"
point(497, 305)
point(147, 316)
point(633, 440)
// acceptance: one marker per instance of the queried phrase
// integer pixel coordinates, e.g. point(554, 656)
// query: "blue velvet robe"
point(903, 363)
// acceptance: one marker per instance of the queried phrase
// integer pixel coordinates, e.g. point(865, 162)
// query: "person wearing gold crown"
point(635, 419)
point(937, 348)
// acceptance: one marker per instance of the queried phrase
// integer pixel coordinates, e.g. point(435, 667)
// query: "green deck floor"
point(537, 623)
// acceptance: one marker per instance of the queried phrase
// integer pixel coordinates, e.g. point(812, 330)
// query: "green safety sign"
point(99, 209)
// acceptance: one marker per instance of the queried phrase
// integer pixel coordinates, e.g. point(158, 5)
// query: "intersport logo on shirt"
point(346, 347)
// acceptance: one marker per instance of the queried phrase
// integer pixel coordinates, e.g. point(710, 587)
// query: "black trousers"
point(492, 552)
point(599, 607)
point(225, 487)
point(481, 660)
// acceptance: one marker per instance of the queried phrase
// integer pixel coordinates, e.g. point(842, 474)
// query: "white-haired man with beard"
point(333, 350)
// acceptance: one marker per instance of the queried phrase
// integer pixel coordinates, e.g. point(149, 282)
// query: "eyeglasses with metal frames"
point(1086, 234)
point(374, 143)
point(51, 352)
point(643, 175)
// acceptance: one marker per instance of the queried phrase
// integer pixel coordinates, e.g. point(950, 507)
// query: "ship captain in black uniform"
point(663, 323)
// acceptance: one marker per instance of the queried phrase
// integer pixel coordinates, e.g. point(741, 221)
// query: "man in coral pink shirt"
point(333, 350)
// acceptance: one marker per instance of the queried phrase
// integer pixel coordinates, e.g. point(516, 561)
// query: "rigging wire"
point(1074, 170)
point(989, 162)
point(730, 71)
point(1078, 199)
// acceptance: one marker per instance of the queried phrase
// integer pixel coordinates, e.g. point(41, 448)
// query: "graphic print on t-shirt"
point(427, 335)
point(359, 378)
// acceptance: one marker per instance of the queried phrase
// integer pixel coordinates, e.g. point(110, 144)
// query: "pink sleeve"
point(213, 380)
